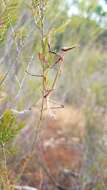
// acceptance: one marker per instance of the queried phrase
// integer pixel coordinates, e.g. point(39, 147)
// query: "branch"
point(2, 81)
point(20, 112)
point(17, 187)
point(24, 77)
point(33, 75)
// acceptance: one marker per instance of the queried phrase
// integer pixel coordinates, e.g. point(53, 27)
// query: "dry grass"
point(60, 146)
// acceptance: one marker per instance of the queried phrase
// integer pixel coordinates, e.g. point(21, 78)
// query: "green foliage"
point(21, 25)
point(88, 8)
point(82, 26)
point(9, 15)
point(100, 92)
point(8, 127)
point(93, 61)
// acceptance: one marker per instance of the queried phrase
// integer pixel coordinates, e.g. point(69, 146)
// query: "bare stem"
point(5, 163)
point(33, 75)
point(45, 95)
point(3, 79)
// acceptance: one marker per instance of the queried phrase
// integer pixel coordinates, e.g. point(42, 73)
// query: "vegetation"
point(52, 65)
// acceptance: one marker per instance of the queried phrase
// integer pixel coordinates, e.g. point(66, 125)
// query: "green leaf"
point(8, 127)
point(99, 9)
point(9, 15)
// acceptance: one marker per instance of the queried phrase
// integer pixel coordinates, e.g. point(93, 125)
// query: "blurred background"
point(83, 81)
point(79, 22)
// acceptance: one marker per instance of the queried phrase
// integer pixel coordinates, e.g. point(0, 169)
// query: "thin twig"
point(3, 79)
point(24, 77)
point(33, 75)
point(5, 163)
point(45, 95)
